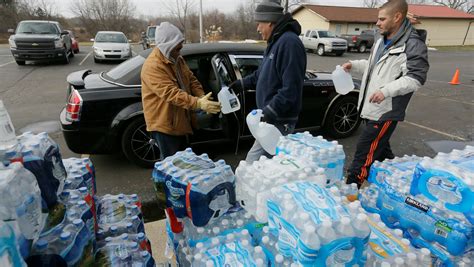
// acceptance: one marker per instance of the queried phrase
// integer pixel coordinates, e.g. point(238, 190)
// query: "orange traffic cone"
point(455, 79)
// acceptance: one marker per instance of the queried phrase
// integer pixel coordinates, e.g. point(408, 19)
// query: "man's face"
point(176, 51)
point(265, 29)
point(388, 22)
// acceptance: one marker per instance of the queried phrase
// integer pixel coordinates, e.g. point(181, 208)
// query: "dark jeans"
point(373, 145)
point(169, 144)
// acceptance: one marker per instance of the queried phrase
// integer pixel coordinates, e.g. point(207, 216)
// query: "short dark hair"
point(396, 6)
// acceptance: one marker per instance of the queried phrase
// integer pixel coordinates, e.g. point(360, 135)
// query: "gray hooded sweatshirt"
point(167, 37)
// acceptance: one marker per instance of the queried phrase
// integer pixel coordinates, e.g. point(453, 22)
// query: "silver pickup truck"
point(323, 42)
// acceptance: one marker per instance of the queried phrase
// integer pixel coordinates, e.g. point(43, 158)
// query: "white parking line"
point(437, 131)
point(5, 55)
point(85, 58)
point(7, 63)
point(448, 99)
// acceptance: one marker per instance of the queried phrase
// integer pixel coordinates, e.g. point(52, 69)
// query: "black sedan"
point(104, 112)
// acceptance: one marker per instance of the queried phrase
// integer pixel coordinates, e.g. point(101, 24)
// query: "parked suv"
point(104, 112)
point(148, 37)
point(40, 40)
point(323, 42)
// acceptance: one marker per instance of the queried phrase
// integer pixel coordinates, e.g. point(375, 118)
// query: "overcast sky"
point(153, 7)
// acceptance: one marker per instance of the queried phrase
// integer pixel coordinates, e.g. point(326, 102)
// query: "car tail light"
point(354, 39)
point(74, 106)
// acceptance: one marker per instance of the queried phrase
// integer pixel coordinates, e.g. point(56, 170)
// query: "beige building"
point(445, 26)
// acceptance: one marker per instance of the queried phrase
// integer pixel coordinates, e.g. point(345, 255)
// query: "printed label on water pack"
point(414, 203)
point(194, 164)
point(442, 229)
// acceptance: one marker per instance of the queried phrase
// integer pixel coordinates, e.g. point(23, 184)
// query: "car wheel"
point(320, 50)
point(362, 48)
point(139, 146)
point(76, 51)
point(71, 53)
point(343, 118)
point(20, 62)
point(96, 60)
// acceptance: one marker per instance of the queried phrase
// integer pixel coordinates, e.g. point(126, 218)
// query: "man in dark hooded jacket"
point(279, 79)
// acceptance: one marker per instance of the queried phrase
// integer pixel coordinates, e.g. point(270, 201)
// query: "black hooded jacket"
point(279, 79)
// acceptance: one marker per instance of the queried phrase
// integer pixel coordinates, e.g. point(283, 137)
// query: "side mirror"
point(314, 36)
point(12, 31)
point(64, 33)
point(92, 40)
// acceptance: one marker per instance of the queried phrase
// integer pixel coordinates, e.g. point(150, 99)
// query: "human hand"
point(377, 97)
point(207, 105)
point(347, 66)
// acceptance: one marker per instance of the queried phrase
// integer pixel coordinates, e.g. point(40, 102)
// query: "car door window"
point(314, 34)
point(247, 64)
point(201, 67)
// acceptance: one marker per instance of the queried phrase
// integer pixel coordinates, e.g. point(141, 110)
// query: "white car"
point(109, 45)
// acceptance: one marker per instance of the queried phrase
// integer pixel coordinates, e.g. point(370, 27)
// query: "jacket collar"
point(162, 57)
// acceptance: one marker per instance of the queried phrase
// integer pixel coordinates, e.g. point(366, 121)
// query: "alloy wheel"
point(144, 146)
point(346, 118)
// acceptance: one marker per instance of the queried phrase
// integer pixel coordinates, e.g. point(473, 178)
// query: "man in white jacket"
point(397, 67)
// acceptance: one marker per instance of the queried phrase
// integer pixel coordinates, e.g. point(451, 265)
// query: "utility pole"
point(200, 22)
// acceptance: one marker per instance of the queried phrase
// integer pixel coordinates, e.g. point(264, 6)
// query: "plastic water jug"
point(7, 131)
point(342, 80)
point(266, 134)
point(229, 101)
point(253, 118)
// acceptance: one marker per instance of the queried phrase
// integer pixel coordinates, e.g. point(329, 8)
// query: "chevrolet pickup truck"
point(40, 40)
point(323, 42)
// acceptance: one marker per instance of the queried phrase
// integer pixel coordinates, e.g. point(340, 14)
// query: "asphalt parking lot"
point(439, 113)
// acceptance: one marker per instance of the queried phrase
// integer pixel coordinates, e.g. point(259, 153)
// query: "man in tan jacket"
point(170, 92)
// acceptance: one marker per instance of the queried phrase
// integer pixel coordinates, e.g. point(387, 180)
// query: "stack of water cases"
point(431, 200)
point(316, 150)
point(315, 227)
point(40, 155)
point(254, 181)
point(121, 239)
point(195, 186)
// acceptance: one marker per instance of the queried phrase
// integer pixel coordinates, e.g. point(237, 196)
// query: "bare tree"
point(40, 9)
point(464, 5)
point(371, 3)
point(98, 15)
point(416, 1)
point(180, 9)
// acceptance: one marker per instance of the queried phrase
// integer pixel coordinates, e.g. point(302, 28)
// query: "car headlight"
point(97, 50)
point(58, 43)
point(12, 43)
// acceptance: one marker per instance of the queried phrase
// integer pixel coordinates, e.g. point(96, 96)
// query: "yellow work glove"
point(207, 105)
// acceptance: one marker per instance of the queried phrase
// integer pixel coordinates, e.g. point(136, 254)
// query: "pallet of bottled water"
point(316, 227)
point(318, 151)
point(80, 172)
point(381, 171)
point(254, 181)
point(448, 179)
point(195, 186)
point(388, 247)
point(20, 204)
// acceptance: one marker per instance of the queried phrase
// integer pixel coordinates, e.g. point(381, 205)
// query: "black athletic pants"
point(373, 145)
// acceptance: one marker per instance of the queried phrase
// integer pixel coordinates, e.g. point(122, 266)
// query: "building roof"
point(342, 13)
point(370, 15)
point(441, 12)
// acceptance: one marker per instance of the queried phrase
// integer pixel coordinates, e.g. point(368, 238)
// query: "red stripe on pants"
point(363, 172)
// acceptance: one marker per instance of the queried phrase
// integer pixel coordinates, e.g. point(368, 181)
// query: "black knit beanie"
point(268, 11)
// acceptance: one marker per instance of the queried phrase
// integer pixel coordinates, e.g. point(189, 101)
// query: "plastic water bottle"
point(9, 253)
point(342, 80)
point(253, 119)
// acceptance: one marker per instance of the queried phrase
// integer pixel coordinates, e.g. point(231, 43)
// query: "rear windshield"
point(37, 28)
point(110, 38)
point(127, 73)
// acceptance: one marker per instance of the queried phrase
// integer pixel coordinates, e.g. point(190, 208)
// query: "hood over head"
point(167, 37)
